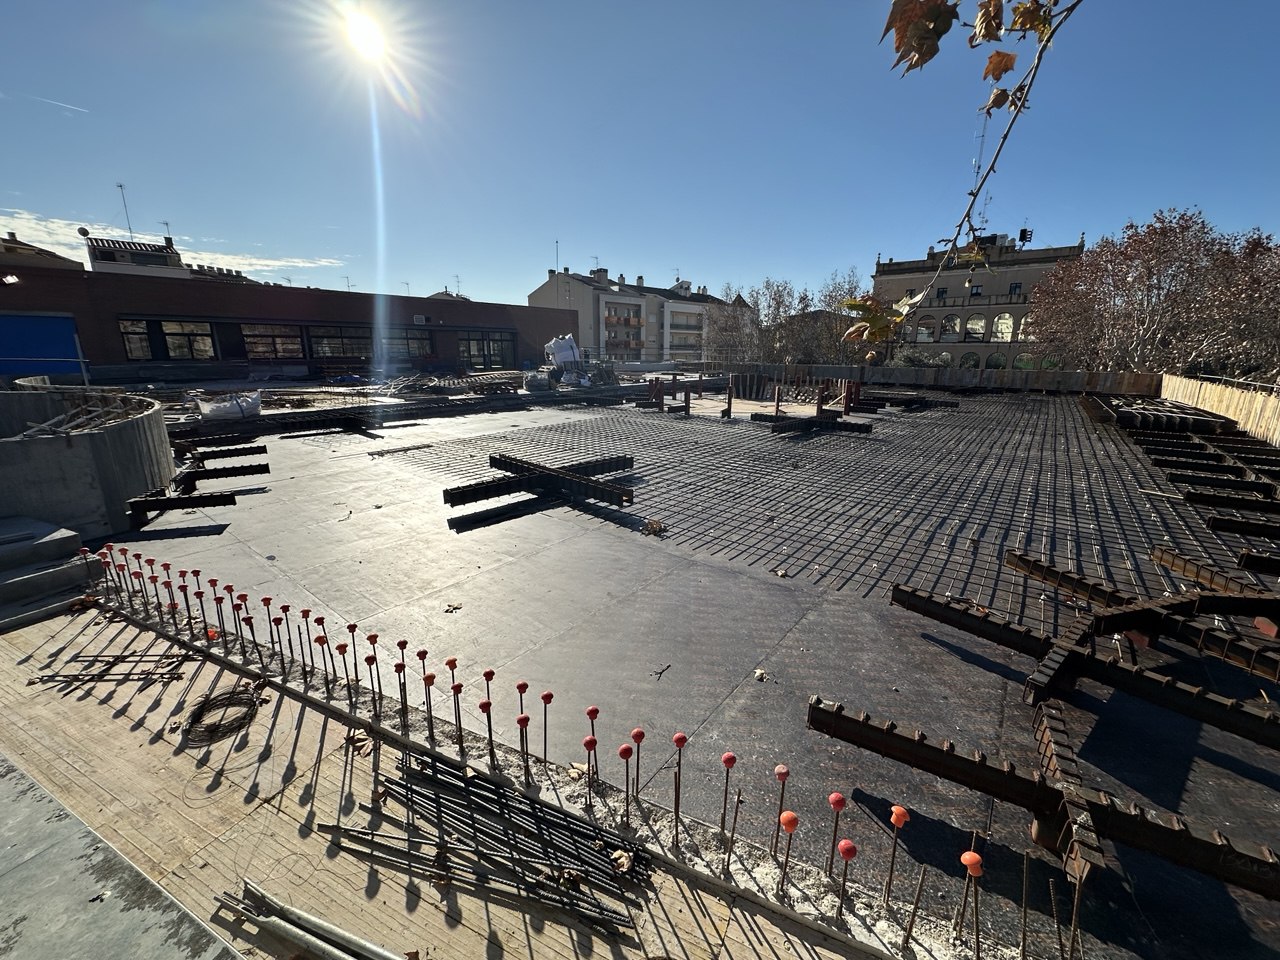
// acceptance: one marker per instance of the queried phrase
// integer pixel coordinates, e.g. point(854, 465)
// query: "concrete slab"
point(578, 602)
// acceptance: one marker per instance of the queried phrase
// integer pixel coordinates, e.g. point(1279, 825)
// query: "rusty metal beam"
point(1205, 574)
point(1076, 584)
point(969, 617)
point(1249, 866)
point(1077, 839)
point(1245, 720)
point(1241, 653)
point(1002, 781)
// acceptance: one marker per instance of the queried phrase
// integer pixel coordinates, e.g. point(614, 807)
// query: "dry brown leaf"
point(999, 97)
point(989, 24)
point(1033, 15)
point(917, 26)
point(902, 14)
point(998, 64)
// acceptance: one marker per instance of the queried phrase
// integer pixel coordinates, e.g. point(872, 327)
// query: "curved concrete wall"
point(84, 479)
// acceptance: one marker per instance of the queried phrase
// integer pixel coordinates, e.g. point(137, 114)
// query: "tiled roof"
point(131, 245)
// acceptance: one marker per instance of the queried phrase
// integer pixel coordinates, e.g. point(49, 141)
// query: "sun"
point(365, 35)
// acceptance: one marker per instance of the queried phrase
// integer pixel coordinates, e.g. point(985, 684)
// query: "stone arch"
point(975, 328)
point(970, 361)
point(1002, 328)
point(1024, 361)
point(997, 361)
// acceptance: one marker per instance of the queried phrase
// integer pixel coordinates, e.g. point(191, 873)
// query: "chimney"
point(639, 279)
point(566, 270)
point(622, 280)
point(12, 235)
point(551, 272)
point(168, 241)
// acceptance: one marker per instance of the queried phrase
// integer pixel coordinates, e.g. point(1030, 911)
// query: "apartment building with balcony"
point(625, 321)
point(975, 316)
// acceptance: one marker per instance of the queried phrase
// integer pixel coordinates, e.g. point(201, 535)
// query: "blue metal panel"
point(32, 344)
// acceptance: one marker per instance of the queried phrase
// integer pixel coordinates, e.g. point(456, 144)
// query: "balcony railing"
point(936, 303)
point(612, 321)
point(686, 326)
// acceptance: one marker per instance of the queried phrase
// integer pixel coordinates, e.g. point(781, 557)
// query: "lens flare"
point(365, 35)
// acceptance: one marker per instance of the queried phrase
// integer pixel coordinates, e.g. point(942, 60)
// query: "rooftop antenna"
point(457, 285)
point(288, 280)
point(677, 269)
point(406, 288)
point(977, 172)
point(557, 256)
point(597, 260)
point(167, 231)
point(120, 187)
point(348, 279)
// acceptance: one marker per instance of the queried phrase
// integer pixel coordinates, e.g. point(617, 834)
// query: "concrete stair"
point(41, 571)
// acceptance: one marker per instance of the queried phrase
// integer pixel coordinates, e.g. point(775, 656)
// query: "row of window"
point(975, 290)
point(194, 340)
point(998, 361)
point(950, 330)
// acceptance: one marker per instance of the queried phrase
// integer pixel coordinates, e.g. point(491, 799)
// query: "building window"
point(1002, 328)
point(975, 328)
point(136, 344)
point(1015, 289)
point(997, 361)
point(925, 329)
point(185, 340)
point(409, 345)
point(341, 342)
point(941, 293)
point(970, 361)
point(950, 328)
point(487, 350)
point(975, 290)
point(272, 341)
point(1024, 361)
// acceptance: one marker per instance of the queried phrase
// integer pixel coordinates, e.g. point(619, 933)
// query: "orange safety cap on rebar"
point(898, 815)
point(973, 862)
point(789, 821)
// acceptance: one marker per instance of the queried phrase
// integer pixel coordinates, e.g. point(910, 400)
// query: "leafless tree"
point(1172, 295)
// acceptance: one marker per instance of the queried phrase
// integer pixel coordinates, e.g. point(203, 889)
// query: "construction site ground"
point(768, 583)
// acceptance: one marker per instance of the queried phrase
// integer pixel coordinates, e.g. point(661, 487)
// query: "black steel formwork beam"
point(568, 482)
point(1248, 866)
point(1263, 488)
point(1208, 498)
point(230, 452)
point(1259, 562)
point(529, 481)
point(140, 507)
point(221, 473)
point(1247, 526)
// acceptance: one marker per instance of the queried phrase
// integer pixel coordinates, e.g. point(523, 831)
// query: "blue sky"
point(729, 139)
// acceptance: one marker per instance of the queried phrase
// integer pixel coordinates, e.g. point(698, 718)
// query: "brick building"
point(154, 324)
